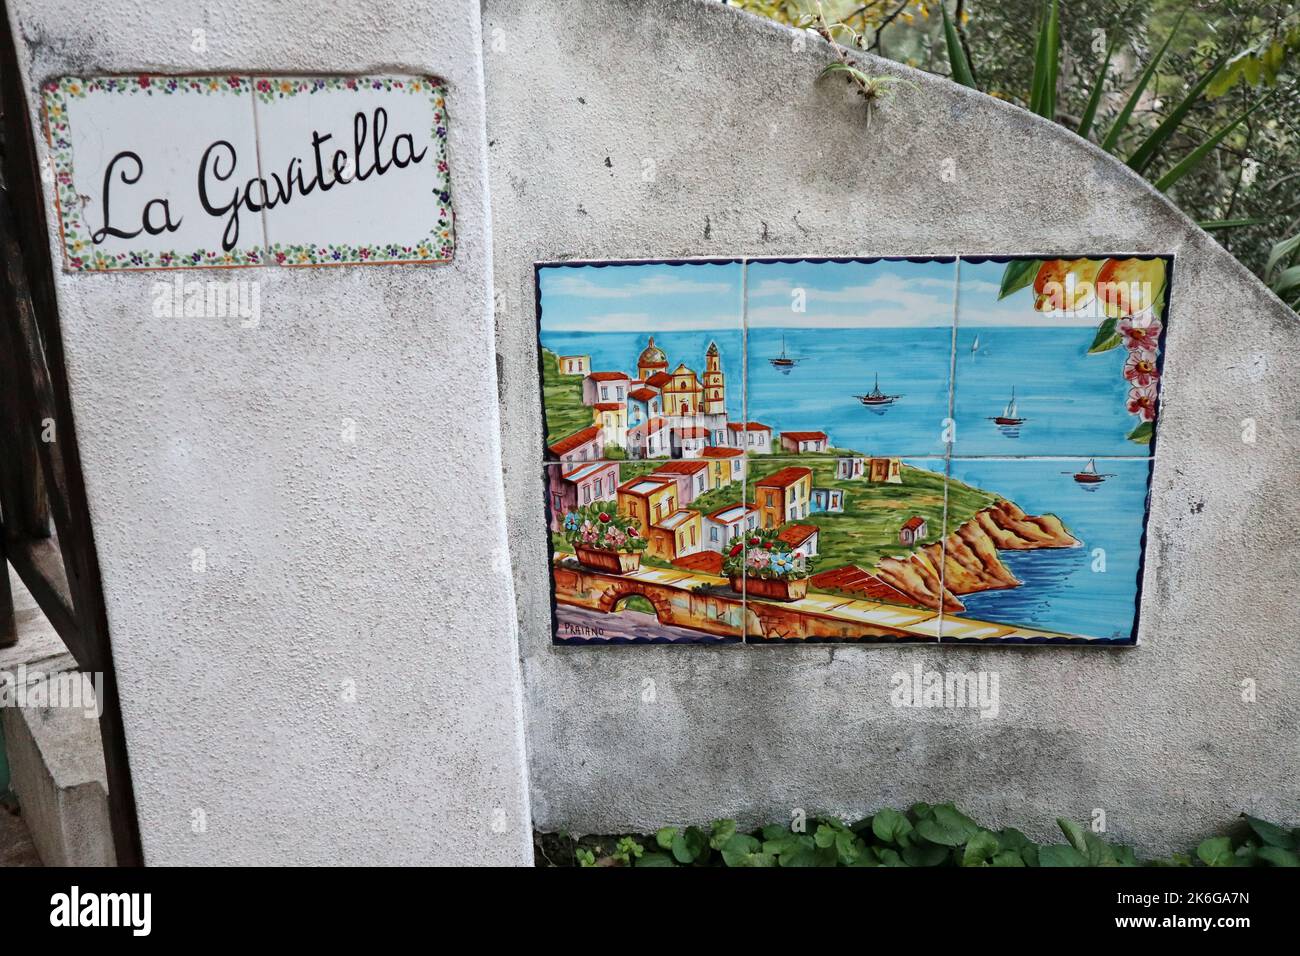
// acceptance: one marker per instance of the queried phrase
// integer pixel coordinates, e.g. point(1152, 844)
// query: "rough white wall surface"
point(752, 155)
point(380, 562)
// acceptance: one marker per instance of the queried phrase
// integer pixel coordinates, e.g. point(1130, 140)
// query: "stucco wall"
point(752, 156)
point(379, 562)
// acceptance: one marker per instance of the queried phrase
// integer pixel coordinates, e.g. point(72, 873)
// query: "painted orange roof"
point(692, 433)
point(785, 477)
point(709, 562)
point(681, 468)
point(575, 440)
point(748, 426)
point(659, 380)
point(643, 394)
point(912, 523)
point(607, 406)
point(722, 452)
point(804, 436)
point(606, 376)
point(796, 534)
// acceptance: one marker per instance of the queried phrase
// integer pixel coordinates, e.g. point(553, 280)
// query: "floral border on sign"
point(79, 252)
point(440, 244)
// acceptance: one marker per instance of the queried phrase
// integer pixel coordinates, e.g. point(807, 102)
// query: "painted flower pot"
point(611, 562)
point(776, 589)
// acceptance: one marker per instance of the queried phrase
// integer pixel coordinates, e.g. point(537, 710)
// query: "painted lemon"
point(1065, 285)
point(1129, 286)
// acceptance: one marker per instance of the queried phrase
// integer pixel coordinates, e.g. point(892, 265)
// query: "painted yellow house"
point(783, 496)
point(611, 419)
point(573, 364)
point(682, 531)
point(649, 501)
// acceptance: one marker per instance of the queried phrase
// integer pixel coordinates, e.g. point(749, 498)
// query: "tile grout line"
point(257, 155)
point(744, 419)
point(947, 459)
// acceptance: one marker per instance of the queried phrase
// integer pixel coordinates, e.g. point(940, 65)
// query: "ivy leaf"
point(1058, 854)
point(1007, 858)
point(689, 845)
point(888, 825)
point(1018, 274)
point(1142, 434)
point(741, 849)
point(664, 837)
point(981, 848)
point(924, 853)
point(654, 859)
point(1270, 833)
point(1277, 856)
point(1107, 337)
point(723, 830)
point(1074, 833)
point(824, 837)
point(1216, 851)
point(949, 827)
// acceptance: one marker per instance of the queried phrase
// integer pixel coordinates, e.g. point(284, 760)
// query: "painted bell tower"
point(715, 388)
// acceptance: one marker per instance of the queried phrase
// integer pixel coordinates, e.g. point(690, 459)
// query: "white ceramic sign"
point(162, 172)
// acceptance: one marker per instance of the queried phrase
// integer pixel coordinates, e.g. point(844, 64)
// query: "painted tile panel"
point(861, 538)
point(1057, 558)
point(637, 550)
point(858, 351)
point(1058, 357)
point(641, 360)
point(795, 522)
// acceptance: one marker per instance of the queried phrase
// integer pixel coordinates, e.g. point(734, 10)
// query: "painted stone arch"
point(617, 592)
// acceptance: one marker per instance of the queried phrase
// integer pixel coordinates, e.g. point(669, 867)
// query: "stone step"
point(56, 756)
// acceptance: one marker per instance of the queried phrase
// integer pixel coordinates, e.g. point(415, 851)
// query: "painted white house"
point(728, 523)
point(750, 436)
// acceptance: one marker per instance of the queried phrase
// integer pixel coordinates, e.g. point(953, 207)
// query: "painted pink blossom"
point(756, 558)
point(1141, 333)
point(1140, 369)
point(1142, 401)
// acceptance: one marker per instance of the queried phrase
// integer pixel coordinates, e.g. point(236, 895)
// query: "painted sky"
point(699, 296)
point(851, 295)
point(641, 298)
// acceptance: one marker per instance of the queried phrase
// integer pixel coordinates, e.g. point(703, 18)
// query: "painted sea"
point(1091, 590)
point(1073, 405)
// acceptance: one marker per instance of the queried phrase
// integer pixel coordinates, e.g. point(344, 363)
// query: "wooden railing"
point(45, 530)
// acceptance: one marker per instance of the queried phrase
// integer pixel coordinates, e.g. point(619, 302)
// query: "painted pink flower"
point(757, 558)
point(1141, 333)
point(1142, 401)
point(1140, 369)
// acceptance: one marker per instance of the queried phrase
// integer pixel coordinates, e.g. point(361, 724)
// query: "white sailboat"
point(1009, 416)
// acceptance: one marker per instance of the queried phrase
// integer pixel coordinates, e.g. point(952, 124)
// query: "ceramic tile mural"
point(162, 172)
point(794, 451)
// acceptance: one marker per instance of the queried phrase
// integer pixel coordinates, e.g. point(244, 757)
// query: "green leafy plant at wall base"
point(928, 835)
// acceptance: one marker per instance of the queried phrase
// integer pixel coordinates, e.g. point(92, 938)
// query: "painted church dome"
point(652, 357)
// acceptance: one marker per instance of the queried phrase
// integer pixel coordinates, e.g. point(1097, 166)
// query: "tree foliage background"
point(1251, 180)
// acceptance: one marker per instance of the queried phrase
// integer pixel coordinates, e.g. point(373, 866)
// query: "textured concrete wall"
point(380, 562)
point(753, 156)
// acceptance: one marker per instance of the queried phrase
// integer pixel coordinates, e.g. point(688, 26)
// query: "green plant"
point(1282, 276)
point(762, 554)
point(927, 835)
point(601, 527)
